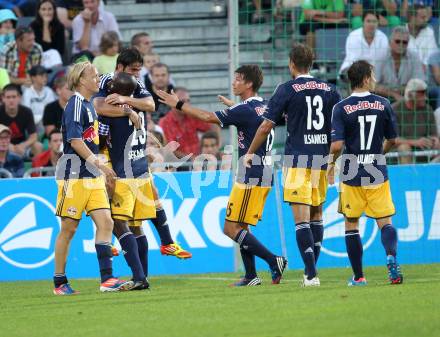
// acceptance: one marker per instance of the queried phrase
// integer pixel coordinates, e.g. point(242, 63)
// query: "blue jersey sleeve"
point(390, 130)
point(277, 104)
point(141, 91)
point(338, 130)
point(230, 116)
point(73, 117)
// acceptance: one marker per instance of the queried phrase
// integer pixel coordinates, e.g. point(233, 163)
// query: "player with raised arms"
point(81, 186)
point(248, 196)
point(360, 124)
point(307, 102)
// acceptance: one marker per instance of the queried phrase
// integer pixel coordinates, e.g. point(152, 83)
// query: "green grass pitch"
point(204, 305)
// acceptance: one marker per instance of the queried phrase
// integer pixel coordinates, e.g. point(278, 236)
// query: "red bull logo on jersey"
point(260, 110)
point(364, 105)
point(311, 85)
point(90, 135)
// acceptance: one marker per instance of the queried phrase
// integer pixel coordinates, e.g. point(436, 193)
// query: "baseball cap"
point(416, 84)
point(38, 70)
point(4, 128)
point(7, 14)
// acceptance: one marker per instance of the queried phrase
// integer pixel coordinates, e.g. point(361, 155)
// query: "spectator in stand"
point(67, 10)
point(19, 56)
point(19, 7)
point(20, 121)
point(367, 43)
point(319, 14)
point(89, 26)
point(415, 118)
point(38, 95)
point(422, 38)
point(434, 79)
point(399, 66)
point(54, 111)
point(49, 31)
point(153, 127)
point(406, 4)
point(160, 81)
point(109, 46)
point(183, 129)
point(8, 21)
point(4, 79)
point(50, 157)
point(386, 9)
point(149, 61)
point(9, 160)
point(144, 44)
point(210, 158)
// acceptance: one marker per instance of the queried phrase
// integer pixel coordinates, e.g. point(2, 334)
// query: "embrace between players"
point(314, 141)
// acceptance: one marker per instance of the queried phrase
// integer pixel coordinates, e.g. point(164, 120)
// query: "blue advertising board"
point(195, 204)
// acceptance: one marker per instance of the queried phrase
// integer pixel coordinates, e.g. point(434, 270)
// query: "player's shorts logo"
point(72, 211)
point(28, 229)
point(334, 231)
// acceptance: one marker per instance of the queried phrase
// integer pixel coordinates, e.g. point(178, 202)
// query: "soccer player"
point(248, 196)
point(130, 62)
point(307, 102)
point(359, 125)
point(81, 186)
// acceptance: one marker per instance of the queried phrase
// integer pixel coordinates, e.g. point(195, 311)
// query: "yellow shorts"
point(246, 203)
point(305, 186)
point(133, 199)
point(105, 156)
point(374, 200)
point(78, 195)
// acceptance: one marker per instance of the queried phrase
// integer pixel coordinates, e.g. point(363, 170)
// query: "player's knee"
point(351, 224)
point(68, 231)
point(120, 227)
point(231, 229)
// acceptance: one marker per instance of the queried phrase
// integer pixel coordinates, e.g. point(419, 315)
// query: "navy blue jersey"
point(247, 117)
point(127, 146)
point(362, 121)
point(79, 121)
point(307, 103)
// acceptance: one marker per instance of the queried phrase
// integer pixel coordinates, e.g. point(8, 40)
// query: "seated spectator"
point(50, 157)
point(19, 56)
point(416, 122)
point(8, 21)
point(20, 121)
point(387, 10)
point(422, 38)
point(367, 43)
point(9, 160)
point(89, 26)
point(109, 46)
point(153, 127)
point(160, 81)
point(19, 7)
point(38, 95)
point(210, 156)
point(49, 31)
point(319, 14)
point(405, 4)
point(399, 66)
point(54, 111)
point(183, 129)
point(67, 10)
point(434, 79)
point(149, 61)
point(143, 43)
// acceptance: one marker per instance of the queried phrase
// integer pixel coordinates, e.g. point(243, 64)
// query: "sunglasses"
point(405, 42)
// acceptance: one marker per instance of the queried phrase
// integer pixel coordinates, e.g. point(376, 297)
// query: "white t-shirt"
point(424, 43)
point(357, 48)
point(36, 101)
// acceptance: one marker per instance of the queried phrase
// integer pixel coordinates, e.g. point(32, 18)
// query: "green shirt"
point(324, 5)
point(105, 64)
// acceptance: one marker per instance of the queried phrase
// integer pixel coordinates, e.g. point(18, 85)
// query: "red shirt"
point(22, 58)
point(41, 160)
point(184, 131)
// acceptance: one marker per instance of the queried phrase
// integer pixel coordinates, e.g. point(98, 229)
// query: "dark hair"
point(159, 65)
point(369, 12)
point(412, 10)
point(108, 40)
point(302, 56)
point(54, 131)
point(135, 38)
point(358, 72)
point(123, 84)
point(59, 82)
point(38, 21)
point(209, 135)
point(20, 31)
point(12, 87)
point(128, 56)
point(251, 73)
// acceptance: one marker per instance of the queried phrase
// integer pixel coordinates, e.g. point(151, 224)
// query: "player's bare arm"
point(110, 110)
point(335, 152)
point(226, 101)
point(172, 101)
point(260, 137)
point(144, 104)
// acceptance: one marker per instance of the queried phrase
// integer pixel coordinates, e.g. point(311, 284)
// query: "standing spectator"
point(9, 160)
point(20, 121)
point(422, 38)
point(19, 56)
point(89, 26)
point(54, 111)
point(434, 79)
point(386, 9)
point(183, 129)
point(399, 66)
point(109, 46)
point(50, 157)
point(319, 14)
point(8, 21)
point(38, 95)
point(49, 31)
point(160, 81)
point(366, 43)
point(415, 118)
point(405, 4)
